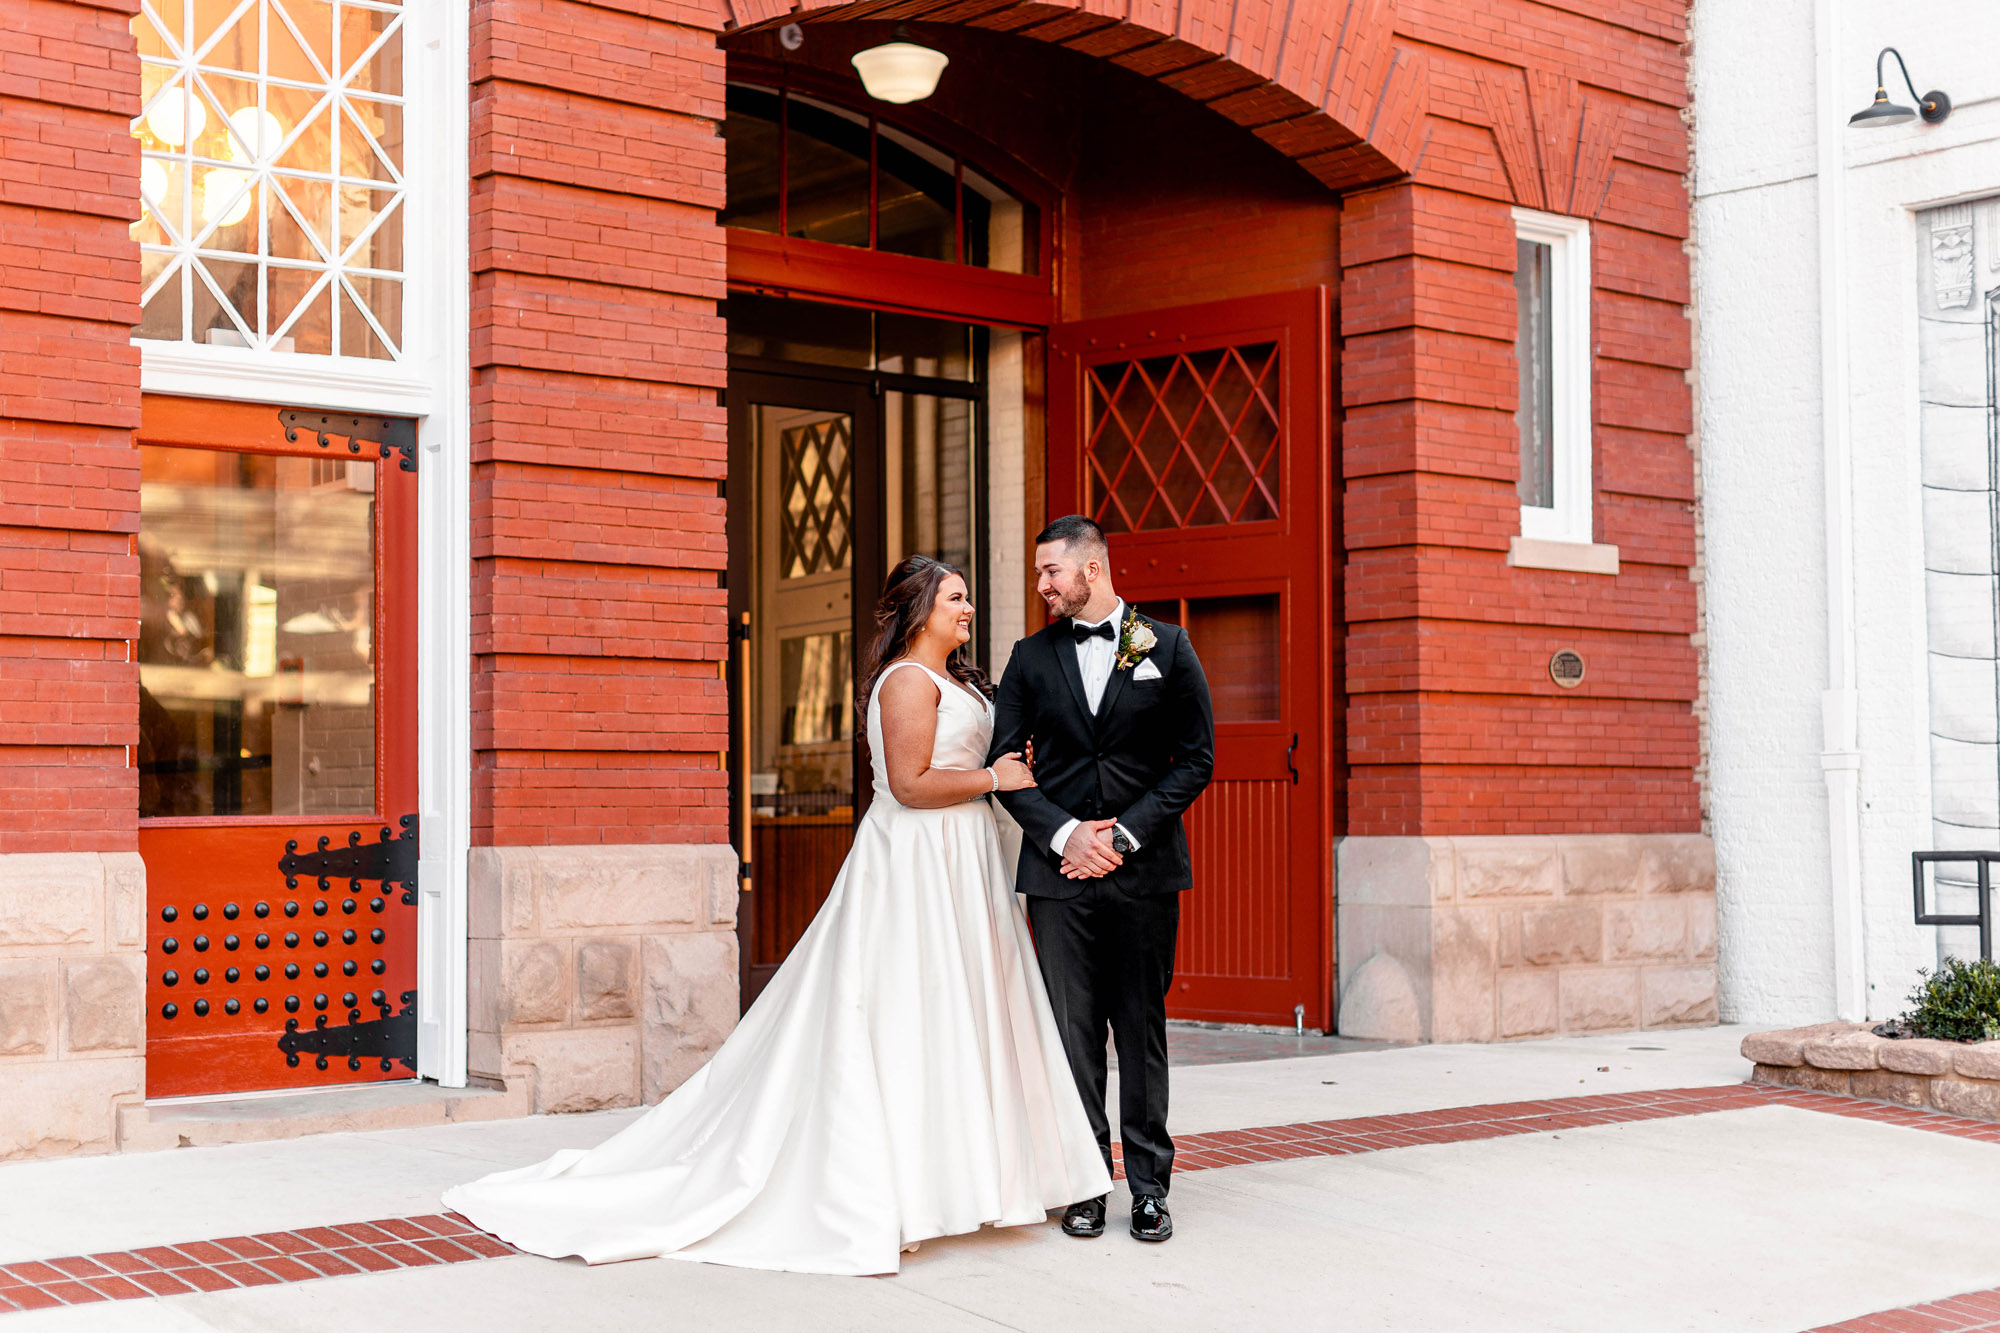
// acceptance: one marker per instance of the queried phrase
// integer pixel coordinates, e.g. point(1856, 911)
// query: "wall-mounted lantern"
point(1932, 106)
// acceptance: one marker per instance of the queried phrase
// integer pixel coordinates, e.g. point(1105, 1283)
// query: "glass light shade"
point(900, 71)
point(154, 180)
point(1881, 113)
point(177, 117)
point(224, 199)
point(260, 130)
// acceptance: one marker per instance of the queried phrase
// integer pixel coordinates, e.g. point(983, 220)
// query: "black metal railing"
point(1983, 918)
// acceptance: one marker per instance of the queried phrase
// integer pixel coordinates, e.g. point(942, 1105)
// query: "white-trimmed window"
point(1552, 345)
point(272, 177)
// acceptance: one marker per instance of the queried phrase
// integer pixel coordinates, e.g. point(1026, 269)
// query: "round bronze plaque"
point(1566, 668)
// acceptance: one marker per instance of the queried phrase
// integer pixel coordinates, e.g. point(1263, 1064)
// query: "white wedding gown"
point(900, 1077)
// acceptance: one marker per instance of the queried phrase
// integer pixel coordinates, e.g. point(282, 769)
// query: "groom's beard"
point(1070, 600)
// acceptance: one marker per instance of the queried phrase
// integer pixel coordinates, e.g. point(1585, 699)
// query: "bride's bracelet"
point(993, 773)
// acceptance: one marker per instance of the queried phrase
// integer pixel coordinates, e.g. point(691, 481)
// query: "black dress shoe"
point(1150, 1219)
point(1085, 1219)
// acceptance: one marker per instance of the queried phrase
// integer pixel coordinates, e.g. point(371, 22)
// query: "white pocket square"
point(1146, 671)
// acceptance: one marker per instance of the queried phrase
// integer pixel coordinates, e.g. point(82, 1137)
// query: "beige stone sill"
point(185, 1122)
point(1575, 557)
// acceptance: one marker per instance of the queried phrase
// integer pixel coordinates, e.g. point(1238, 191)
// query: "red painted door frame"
point(1230, 968)
point(212, 863)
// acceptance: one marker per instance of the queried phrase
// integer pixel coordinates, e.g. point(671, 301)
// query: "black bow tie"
point(1105, 631)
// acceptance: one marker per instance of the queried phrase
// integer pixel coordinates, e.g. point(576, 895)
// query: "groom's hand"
point(1088, 854)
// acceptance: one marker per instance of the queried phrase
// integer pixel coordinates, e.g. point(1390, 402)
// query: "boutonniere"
point(1136, 640)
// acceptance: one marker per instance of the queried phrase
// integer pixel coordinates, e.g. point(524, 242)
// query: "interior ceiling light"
point(900, 71)
point(1933, 106)
point(177, 117)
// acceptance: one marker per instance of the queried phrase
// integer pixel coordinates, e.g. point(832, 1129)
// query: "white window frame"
point(1570, 519)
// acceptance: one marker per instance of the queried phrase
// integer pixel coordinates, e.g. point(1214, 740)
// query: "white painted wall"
point(1760, 291)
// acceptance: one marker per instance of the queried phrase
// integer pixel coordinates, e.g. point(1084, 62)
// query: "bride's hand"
point(1013, 774)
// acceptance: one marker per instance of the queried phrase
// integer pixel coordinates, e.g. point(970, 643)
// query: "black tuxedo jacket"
point(1141, 759)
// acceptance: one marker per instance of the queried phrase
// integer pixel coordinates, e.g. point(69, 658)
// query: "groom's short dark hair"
point(1076, 533)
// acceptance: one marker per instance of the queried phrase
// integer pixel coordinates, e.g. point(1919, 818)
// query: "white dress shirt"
point(1094, 660)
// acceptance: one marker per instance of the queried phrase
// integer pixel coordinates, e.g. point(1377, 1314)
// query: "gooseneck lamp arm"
point(1881, 86)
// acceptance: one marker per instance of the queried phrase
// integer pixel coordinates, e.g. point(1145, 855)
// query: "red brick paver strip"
point(390, 1243)
point(1972, 1311)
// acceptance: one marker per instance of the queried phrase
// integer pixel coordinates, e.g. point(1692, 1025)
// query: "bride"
point(901, 1076)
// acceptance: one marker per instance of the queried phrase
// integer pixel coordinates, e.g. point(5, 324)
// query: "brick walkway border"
point(417, 1242)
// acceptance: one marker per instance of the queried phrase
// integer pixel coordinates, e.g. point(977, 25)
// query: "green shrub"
point(1959, 1002)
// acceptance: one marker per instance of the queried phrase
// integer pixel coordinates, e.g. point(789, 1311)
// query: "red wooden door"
point(277, 754)
point(1197, 438)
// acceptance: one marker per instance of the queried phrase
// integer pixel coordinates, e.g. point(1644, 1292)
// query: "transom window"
point(271, 175)
point(814, 171)
point(1184, 440)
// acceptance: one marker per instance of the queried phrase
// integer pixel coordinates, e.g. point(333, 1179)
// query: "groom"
point(1117, 711)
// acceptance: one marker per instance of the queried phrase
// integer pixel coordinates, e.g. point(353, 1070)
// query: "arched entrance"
point(1143, 293)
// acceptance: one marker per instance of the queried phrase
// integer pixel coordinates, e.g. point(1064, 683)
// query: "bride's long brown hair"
point(907, 601)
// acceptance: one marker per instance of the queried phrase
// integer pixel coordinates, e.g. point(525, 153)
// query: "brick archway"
point(1321, 80)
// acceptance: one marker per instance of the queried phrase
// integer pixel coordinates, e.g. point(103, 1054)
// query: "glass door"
point(854, 441)
point(799, 482)
point(277, 748)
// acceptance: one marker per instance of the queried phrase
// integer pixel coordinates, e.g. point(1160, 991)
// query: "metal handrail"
point(1983, 918)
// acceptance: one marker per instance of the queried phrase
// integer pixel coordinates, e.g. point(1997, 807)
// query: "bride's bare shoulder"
point(908, 689)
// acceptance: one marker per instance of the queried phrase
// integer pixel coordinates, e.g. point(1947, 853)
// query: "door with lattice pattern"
point(277, 746)
point(1197, 439)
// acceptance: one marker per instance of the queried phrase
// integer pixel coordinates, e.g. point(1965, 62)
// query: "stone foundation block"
point(1379, 1003)
point(1463, 976)
point(1562, 935)
point(605, 985)
point(27, 1007)
point(1483, 938)
point(587, 1069)
point(1651, 930)
point(600, 975)
point(1508, 867)
point(104, 1004)
point(1529, 1003)
point(1678, 996)
point(535, 975)
point(689, 1006)
point(1597, 1001)
point(72, 1106)
point(52, 899)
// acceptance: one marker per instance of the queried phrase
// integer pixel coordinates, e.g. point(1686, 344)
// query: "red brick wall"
point(1454, 724)
point(69, 402)
point(1170, 204)
point(597, 527)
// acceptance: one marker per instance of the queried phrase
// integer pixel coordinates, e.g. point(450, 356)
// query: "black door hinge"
point(388, 434)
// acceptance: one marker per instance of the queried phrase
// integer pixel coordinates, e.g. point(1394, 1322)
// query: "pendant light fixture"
point(1933, 106)
point(900, 70)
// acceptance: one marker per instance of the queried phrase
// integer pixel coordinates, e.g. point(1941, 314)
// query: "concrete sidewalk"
point(1771, 1217)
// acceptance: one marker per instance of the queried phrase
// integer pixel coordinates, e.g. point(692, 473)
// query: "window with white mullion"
point(272, 140)
point(1553, 359)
